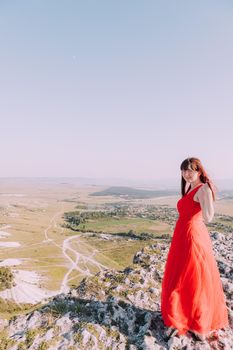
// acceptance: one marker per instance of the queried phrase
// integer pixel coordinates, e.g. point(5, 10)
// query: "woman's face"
point(190, 175)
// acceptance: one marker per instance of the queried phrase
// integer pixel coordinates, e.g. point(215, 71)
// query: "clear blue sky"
point(115, 88)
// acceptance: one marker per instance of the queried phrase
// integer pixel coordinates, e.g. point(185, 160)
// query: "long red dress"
point(192, 296)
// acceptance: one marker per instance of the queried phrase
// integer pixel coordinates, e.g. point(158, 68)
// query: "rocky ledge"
point(118, 310)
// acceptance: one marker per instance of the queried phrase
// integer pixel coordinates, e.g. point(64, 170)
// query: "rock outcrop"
point(118, 310)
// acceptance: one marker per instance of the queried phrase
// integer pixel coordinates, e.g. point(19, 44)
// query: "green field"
point(138, 225)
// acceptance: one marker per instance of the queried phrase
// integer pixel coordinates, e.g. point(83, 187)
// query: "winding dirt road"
point(27, 283)
point(74, 257)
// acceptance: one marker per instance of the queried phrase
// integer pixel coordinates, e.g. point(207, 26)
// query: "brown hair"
point(195, 164)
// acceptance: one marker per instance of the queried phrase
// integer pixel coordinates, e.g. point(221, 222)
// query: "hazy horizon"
point(169, 183)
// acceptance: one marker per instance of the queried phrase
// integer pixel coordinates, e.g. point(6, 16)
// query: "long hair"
point(195, 164)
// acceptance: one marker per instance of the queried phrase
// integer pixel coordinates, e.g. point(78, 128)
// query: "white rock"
point(202, 346)
point(173, 343)
point(65, 323)
point(149, 343)
point(49, 334)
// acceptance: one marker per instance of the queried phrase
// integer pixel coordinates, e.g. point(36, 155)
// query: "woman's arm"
point(206, 201)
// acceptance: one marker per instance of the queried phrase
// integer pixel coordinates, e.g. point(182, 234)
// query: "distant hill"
point(164, 183)
point(129, 192)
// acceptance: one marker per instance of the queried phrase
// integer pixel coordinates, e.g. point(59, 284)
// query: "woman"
point(192, 297)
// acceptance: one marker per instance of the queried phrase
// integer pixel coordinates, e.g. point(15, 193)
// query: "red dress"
point(192, 296)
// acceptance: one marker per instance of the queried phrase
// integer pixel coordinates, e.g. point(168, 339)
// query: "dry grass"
point(38, 215)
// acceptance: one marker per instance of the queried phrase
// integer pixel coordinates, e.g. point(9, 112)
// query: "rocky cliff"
point(118, 310)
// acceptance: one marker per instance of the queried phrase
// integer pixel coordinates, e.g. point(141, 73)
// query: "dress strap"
point(194, 189)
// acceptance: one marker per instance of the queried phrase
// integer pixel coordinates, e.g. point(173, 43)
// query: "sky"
point(123, 89)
